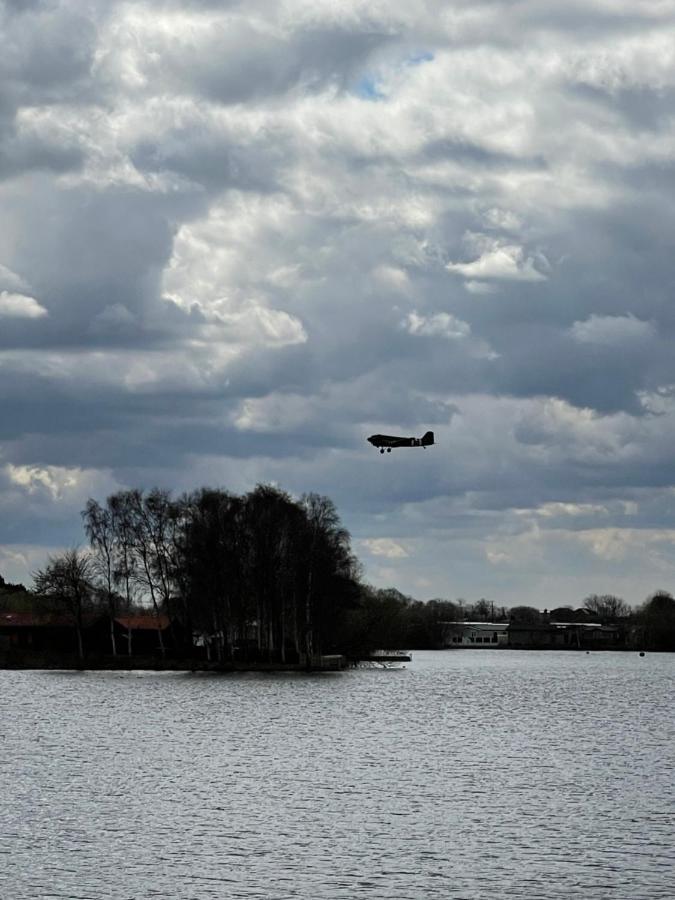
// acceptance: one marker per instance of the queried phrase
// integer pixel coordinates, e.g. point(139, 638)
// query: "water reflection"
point(469, 774)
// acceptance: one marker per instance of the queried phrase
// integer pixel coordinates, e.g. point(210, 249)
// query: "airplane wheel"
point(381, 449)
point(388, 449)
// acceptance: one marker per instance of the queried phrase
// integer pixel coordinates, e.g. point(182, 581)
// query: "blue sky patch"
point(368, 88)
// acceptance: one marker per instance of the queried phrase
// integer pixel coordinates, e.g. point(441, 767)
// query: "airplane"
point(387, 441)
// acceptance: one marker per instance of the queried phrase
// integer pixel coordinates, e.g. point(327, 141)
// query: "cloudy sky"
point(236, 238)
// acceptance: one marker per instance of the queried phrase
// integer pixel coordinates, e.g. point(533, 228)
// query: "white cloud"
point(612, 330)
point(385, 547)
point(53, 480)
point(256, 324)
point(555, 509)
point(438, 325)
point(506, 262)
point(19, 306)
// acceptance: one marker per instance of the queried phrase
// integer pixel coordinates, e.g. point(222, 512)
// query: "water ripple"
point(469, 775)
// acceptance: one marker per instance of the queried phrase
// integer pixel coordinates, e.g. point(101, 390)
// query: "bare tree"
point(148, 571)
point(67, 579)
point(607, 607)
point(100, 528)
point(125, 563)
point(331, 566)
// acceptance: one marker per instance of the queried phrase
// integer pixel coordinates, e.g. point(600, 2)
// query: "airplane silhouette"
point(387, 441)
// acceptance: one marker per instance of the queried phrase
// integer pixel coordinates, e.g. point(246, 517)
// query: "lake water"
point(470, 774)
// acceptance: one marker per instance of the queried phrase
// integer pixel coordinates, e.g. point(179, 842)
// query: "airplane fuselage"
point(389, 441)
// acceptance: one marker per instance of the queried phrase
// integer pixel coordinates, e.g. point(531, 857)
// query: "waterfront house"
point(476, 634)
point(143, 634)
point(36, 632)
point(565, 636)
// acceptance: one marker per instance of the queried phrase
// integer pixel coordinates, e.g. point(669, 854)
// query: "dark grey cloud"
point(47, 51)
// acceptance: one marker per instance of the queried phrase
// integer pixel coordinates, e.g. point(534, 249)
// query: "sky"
point(237, 238)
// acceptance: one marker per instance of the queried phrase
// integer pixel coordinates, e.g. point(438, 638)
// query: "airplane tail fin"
point(428, 439)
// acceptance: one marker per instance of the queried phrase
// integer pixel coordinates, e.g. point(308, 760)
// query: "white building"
point(476, 634)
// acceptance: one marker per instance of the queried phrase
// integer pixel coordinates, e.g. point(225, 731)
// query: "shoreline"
point(64, 662)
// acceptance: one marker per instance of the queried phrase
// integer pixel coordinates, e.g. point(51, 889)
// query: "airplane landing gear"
point(388, 449)
point(381, 449)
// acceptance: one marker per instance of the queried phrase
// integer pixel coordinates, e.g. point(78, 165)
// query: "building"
point(24, 633)
point(34, 632)
point(565, 636)
point(137, 635)
point(476, 634)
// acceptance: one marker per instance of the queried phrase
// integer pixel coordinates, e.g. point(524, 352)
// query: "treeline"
point(261, 575)
point(650, 626)
point(388, 618)
point(267, 577)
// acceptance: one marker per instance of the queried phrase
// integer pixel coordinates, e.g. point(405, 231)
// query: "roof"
point(143, 622)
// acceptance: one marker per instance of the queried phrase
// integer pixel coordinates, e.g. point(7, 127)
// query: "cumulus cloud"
point(19, 306)
point(52, 479)
point(385, 547)
point(612, 330)
point(500, 262)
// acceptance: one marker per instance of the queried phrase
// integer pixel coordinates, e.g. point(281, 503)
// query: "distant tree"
point(268, 564)
point(481, 609)
point(332, 570)
point(125, 560)
point(427, 623)
point(215, 559)
point(18, 601)
point(607, 607)
point(562, 614)
point(275, 530)
point(380, 621)
point(524, 615)
point(100, 528)
point(8, 588)
point(147, 518)
point(656, 621)
point(67, 580)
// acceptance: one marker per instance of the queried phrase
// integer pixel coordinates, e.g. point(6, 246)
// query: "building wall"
point(484, 635)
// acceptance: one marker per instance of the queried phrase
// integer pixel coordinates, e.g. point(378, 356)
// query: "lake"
point(469, 774)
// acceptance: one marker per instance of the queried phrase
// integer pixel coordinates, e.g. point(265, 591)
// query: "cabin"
point(56, 634)
point(36, 632)
point(143, 634)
